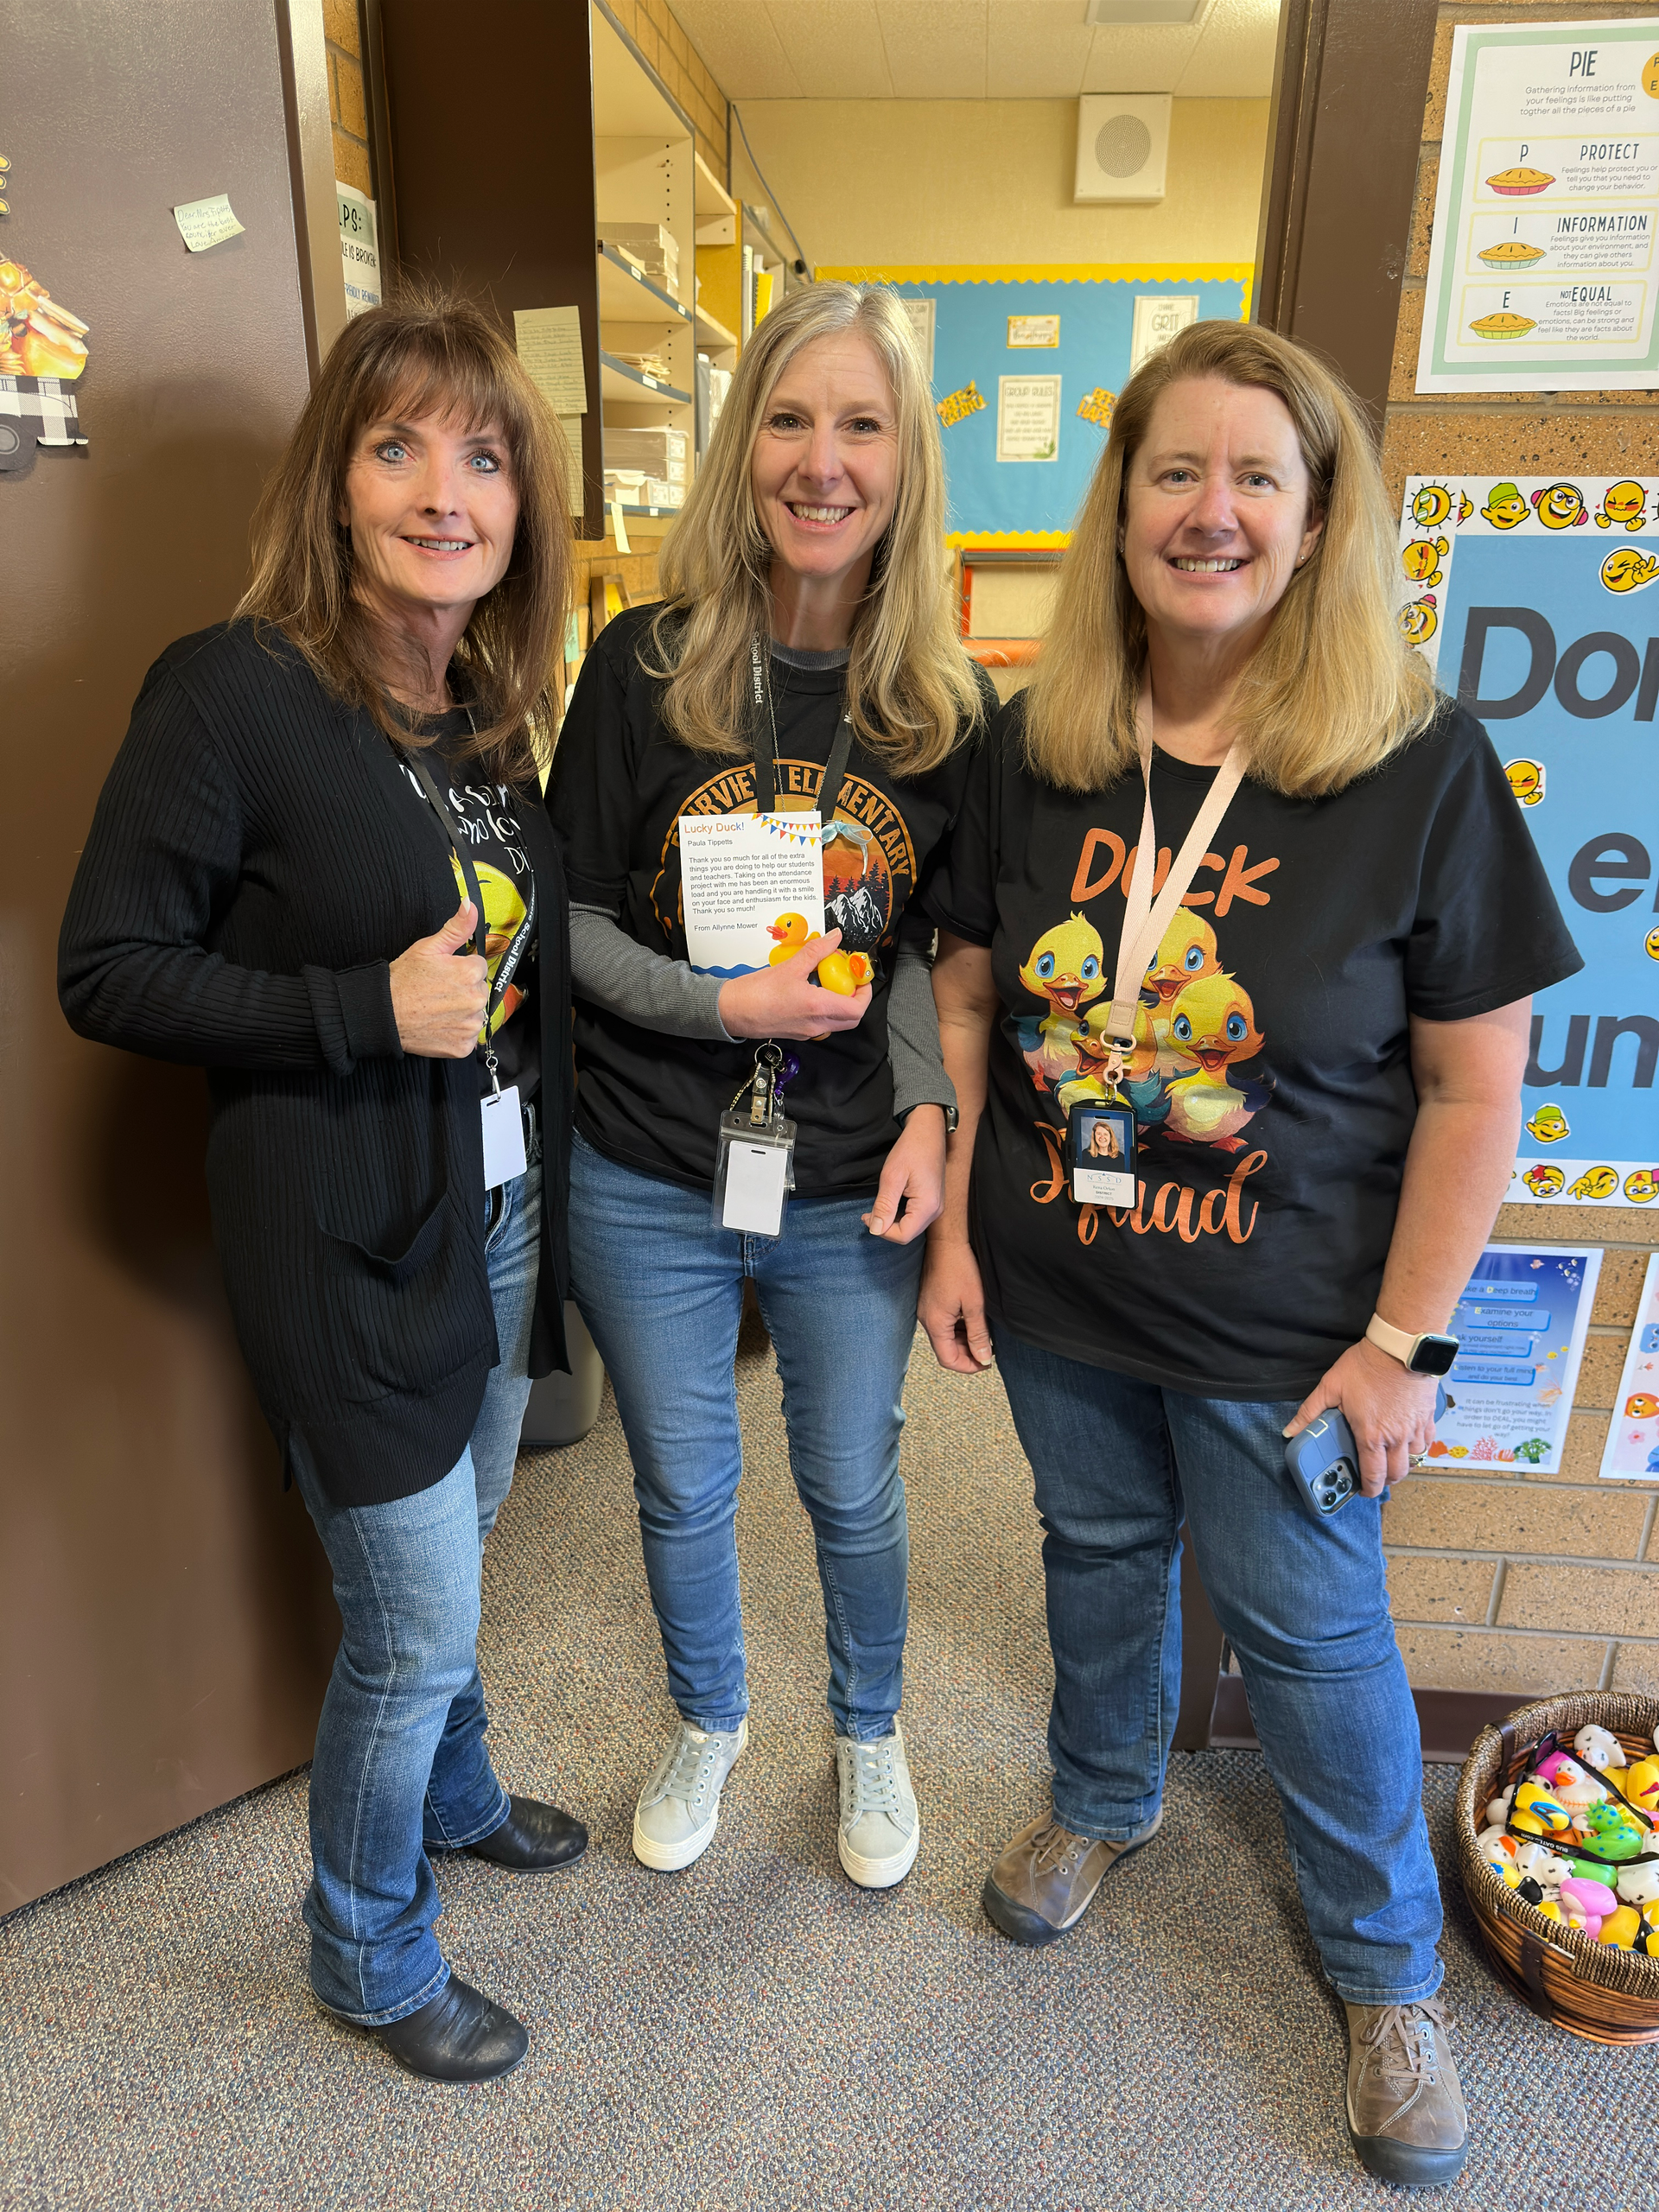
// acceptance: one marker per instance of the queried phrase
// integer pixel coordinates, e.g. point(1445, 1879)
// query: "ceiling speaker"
point(1122, 146)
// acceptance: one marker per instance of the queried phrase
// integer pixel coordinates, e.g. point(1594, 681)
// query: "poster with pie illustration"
point(1541, 273)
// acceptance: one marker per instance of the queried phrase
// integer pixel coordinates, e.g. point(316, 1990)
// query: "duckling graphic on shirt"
point(1212, 1031)
point(1063, 967)
point(1186, 951)
point(1141, 1085)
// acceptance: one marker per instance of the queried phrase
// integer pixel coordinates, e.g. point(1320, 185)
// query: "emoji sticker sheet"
point(1520, 1325)
point(1540, 274)
point(1631, 1452)
point(1533, 599)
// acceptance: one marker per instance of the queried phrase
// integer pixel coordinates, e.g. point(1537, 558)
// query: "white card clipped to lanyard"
point(755, 1170)
point(1100, 1132)
point(501, 1116)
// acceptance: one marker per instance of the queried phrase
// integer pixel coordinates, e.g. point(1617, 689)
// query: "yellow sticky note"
point(549, 341)
point(203, 223)
point(619, 528)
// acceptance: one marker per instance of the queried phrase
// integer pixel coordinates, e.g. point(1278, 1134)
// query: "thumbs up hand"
point(439, 992)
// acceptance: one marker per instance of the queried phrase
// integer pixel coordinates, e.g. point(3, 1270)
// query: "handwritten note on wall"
point(203, 223)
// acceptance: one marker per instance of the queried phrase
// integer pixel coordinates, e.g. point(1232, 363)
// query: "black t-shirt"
point(1273, 1120)
point(619, 785)
point(484, 815)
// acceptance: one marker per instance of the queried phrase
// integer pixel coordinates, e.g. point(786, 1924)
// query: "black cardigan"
point(257, 860)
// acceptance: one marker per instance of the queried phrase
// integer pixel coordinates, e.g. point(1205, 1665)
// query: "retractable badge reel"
point(755, 1171)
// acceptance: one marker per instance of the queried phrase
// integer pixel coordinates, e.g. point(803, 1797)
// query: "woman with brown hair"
point(1230, 869)
point(321, 869)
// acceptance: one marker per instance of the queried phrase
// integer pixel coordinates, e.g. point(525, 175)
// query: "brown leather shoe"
point(1045, 1880)
point(1405, 2109)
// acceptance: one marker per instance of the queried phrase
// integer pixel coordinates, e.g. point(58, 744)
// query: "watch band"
point(1398, 1344)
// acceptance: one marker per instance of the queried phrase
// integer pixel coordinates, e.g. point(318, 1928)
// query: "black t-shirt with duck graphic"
point(1271, 1078)
point(619, 787)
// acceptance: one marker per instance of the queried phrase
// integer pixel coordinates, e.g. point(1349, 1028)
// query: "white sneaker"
point(679, 1808)
point(880, 1829)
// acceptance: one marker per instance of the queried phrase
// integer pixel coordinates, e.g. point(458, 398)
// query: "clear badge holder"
point(754, 1170)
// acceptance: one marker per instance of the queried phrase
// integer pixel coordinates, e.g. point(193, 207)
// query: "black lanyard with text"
point(763, 733)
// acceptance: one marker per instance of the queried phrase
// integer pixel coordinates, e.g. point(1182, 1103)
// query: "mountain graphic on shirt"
point(860, 917)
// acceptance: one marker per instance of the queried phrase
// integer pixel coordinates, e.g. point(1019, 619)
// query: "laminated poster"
point(1027, 418)
point(359, 248)
point(1534, 599)
point(752, 886)
point(1541, 275)
point(1632, 1446)
point(1520, 1325)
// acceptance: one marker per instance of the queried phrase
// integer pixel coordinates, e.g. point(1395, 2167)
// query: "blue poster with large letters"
point(1536, 599)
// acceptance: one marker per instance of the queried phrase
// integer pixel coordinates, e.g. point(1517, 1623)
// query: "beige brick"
point(1611, 1224)
point(1587, 1436)
point(1603, 1361)
point(352, 163)
point(1635, 1667)
point(1441, 1589)
point(1605, 1600)
point(353, 114)
point(1423, 214)
point(644, 37)
point(678, 45)
point(1620, 1286)
point(1485, 1659)
point(1514, 1517)
point(339, 26)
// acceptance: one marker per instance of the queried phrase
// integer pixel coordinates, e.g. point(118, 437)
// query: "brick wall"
point(1501, 1580)
point(346, 107)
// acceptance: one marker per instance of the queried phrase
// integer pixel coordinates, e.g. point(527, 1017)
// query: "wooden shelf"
point(713, 206)
point(618, 381)
point(713, 333)
point(626, 296)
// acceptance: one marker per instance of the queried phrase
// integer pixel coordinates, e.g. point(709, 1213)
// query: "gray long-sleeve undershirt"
point(616, 972)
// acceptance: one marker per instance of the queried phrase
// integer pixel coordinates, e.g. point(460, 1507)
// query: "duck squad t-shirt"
point(619, 787)
point(1273, 1089)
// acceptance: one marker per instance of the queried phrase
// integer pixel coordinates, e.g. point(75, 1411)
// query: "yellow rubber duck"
point(792, 931)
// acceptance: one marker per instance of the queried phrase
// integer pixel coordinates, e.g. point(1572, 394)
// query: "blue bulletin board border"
point(1031, 504)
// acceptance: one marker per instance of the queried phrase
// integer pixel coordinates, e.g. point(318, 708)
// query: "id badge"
point(754, 1174)
point(1100, 1154)
point(503, 1137)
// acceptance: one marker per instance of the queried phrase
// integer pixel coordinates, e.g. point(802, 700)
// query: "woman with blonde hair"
point(1284, 912)
point(321, 869)
point(804, 666)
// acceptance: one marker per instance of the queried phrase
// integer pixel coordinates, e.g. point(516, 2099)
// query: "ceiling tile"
point(834, 48)
point(1036, 49)
point(1138, 58)
point(1233, 59)
point(738, 45)
point(936, 49)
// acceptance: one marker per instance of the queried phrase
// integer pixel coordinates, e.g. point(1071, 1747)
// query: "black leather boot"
point(461, 2036)
point(533, 1838)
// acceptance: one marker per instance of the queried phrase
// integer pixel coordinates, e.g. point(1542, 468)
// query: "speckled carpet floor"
point(755, 2032)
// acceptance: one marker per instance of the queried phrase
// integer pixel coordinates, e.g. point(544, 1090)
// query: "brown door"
point(165, 1627)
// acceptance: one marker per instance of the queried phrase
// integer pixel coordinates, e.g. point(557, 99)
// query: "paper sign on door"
point(753, 885)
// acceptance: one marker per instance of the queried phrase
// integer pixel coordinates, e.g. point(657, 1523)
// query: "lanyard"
point(508, 964)
point(1145, 919)
point(765, 755)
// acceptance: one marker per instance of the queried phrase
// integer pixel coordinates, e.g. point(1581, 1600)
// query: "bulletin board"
point(1023, 422)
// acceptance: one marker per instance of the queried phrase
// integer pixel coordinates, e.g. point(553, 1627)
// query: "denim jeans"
point(1119, 1464)
point(401, 1763)
point(661, 1289)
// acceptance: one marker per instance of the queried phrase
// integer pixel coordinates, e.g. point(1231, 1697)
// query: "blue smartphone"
point(1323, 1460)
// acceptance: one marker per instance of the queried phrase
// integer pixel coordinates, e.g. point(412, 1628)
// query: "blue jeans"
point(661, 1289)
point(1119, 1464)
point(400, 1764)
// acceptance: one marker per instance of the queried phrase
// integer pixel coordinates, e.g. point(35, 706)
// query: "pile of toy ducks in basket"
point(1577, 1838)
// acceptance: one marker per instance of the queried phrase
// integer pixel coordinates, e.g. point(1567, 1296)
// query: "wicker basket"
point(1591, 1989)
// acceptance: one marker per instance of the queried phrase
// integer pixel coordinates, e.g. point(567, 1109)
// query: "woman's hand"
point(951, 1307)
point(914, 1173)
point(783, 1001)
point(439, 993)
point(1390, 1410)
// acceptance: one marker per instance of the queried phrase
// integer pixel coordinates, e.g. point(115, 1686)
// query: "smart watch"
point(950, 1113)
point(1427, 1354)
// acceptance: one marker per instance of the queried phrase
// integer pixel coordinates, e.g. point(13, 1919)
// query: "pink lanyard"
point(1145, 919)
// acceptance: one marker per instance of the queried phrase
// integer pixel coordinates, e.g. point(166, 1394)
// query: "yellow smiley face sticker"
point(1650, 76)
point(1651, 944)
point(1526, 780)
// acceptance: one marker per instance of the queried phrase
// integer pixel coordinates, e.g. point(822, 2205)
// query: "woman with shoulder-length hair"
point(804, 663)
point(321, 869)
point(1231, 868)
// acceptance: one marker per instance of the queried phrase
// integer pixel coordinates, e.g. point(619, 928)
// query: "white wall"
point(881, 182)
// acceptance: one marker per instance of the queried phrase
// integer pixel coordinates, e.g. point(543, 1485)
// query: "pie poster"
point(1536, 601)
point(1541, 274)
point(1632, 1446)
point(752, 888)
point(1520, 1325)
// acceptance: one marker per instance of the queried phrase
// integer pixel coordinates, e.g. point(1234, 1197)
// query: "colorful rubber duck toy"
point(1621, 1927)
point(1612, 1833)
point(792, 932)
point(1572, 1785)
point(1639, 1785)
point(1586, 1904)
point(1639, 1884)
point(1538, 1812)
point(1600, 1748)
point(1497, 1812)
